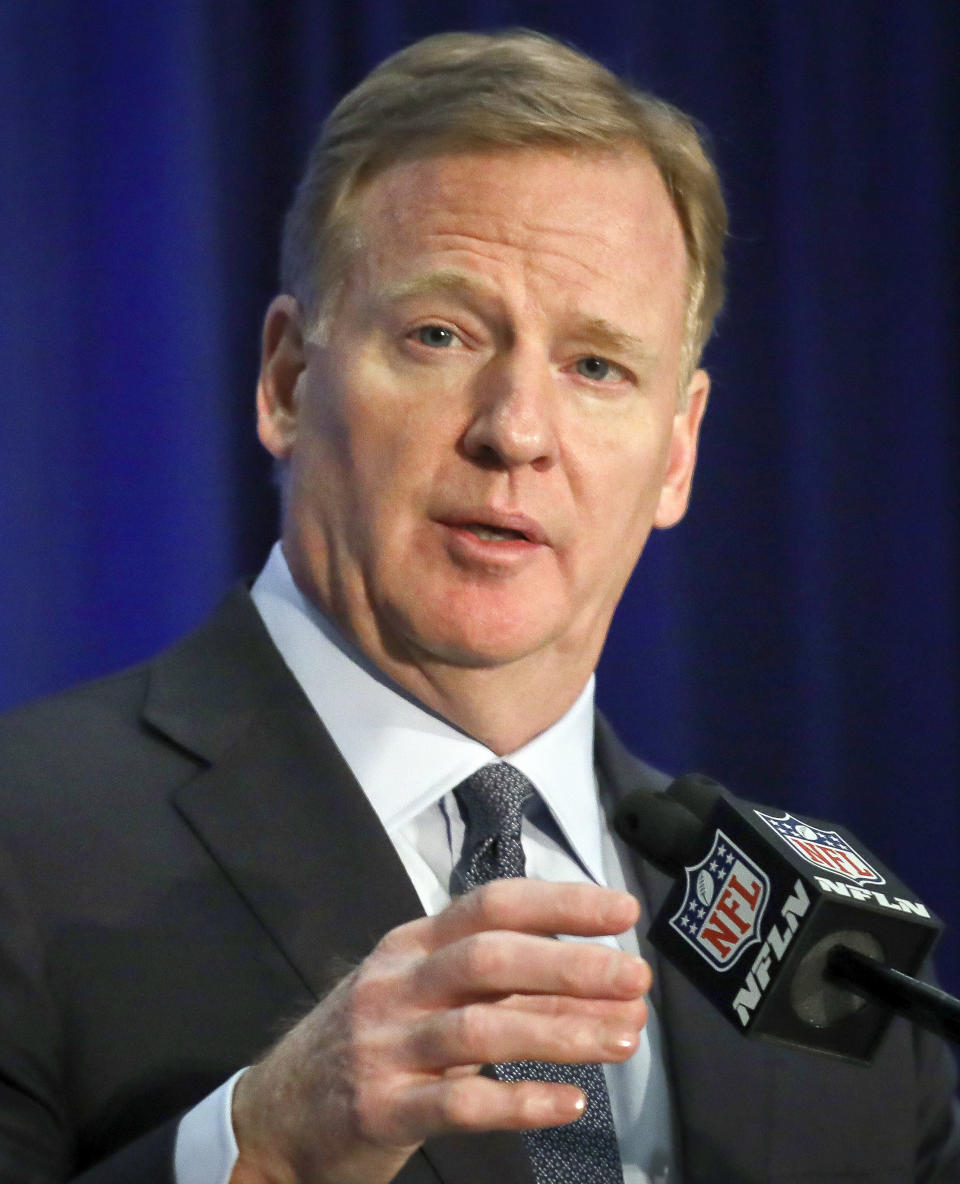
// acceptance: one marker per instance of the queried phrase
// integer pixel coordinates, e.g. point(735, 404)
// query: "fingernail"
point(622, 1041)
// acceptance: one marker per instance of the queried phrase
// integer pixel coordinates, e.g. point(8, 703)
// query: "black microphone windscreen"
point(666, 832)
point(698, 792)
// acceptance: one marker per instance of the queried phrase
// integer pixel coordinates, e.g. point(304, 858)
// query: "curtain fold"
point(796, 636)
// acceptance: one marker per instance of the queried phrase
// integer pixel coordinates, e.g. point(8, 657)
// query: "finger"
point(630, 1011)
point(537, 907)
point(481, 1104)
point(491, 964)
point(482, 1034)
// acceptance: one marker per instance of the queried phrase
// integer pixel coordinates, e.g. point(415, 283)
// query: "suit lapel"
point(277, 808)
point(723, 1131)
point(285, 820)
point(282, 815)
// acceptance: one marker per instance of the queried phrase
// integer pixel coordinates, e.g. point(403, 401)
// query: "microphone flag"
point(826, 850)
point(762, 901)
point(723, 903)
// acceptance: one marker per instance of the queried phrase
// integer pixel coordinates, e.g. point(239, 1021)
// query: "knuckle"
point(484, 959)
point(480, 904)
point(368, 1113)
point(605, 963)
point(456, 1103)
point(578, 967)
point(493, 900)
point(608, 961)
point(632, 1017)
point(365, 995)
point(472, 1030)
point(571, 968)
point(395, 941)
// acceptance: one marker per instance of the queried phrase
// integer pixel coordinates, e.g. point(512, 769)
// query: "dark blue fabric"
point(797, 636)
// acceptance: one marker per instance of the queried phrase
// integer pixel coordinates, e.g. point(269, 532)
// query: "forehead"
point(591, 222)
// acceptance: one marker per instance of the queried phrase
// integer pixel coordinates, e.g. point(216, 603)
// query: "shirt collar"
point(405, 757)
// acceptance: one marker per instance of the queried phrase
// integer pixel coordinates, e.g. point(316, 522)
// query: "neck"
point(503, 707)
point(502, 704)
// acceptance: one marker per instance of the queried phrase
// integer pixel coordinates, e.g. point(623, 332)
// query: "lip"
point(532, 531)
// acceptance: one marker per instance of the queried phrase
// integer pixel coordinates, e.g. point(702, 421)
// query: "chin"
point(475, 639)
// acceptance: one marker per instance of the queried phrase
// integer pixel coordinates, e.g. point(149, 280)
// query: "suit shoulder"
point(127, 734)
point(98, 737)
point(73, 715)
point(83, 750)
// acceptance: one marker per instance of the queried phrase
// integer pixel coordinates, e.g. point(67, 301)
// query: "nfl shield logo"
point(723, 903)
point(825, 849)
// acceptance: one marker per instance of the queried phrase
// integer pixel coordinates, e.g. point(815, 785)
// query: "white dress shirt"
point(408, 760)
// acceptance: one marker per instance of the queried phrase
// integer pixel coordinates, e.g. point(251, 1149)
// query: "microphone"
point(789, 926)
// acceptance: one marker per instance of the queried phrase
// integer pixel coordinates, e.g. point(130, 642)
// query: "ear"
point(675, 491)
point(282, 362)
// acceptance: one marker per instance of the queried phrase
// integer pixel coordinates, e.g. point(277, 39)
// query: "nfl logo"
point(825, 849)
point(723, 903)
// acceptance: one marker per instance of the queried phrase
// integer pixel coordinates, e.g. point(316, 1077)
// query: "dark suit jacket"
point(185, 866)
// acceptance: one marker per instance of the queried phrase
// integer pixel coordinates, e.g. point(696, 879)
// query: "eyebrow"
point(447, 282)
point(607, 336)
point(602, 335)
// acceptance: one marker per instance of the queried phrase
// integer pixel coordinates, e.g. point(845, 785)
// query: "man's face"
point(481, 444)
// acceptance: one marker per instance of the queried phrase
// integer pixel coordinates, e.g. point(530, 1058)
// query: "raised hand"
point(392, 1055)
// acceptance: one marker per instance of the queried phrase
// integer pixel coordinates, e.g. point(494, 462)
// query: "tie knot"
point(492, 802)
point(493, 799)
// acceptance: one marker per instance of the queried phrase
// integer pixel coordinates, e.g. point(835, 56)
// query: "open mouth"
point(494, 534)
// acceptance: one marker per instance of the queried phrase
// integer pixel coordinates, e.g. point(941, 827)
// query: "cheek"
point(345, 426)
point(381, 419)
point(386, 471)
point(623, 501)
point(621, 471)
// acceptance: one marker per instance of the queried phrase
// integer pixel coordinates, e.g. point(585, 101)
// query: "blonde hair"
point(461, 92)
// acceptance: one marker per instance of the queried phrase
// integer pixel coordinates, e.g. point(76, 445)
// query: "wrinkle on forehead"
point(519, 214)
point(407, 191)
point(532, 253)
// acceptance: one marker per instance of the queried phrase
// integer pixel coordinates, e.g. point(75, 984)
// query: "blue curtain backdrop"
point(797, 635)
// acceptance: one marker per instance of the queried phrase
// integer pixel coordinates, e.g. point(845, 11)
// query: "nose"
point(513, 421)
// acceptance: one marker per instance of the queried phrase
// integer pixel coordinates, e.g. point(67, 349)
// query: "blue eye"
point(436, 336)
point(598, 369)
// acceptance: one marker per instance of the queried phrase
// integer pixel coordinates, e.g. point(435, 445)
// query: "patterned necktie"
point(492, 802)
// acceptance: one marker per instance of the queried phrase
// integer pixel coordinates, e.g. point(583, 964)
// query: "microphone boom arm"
point(926, 1006)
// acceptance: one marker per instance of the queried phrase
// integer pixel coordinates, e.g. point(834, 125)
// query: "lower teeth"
point(494, 536)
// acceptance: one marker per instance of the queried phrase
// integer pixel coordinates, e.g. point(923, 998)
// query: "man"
point(481, 388)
